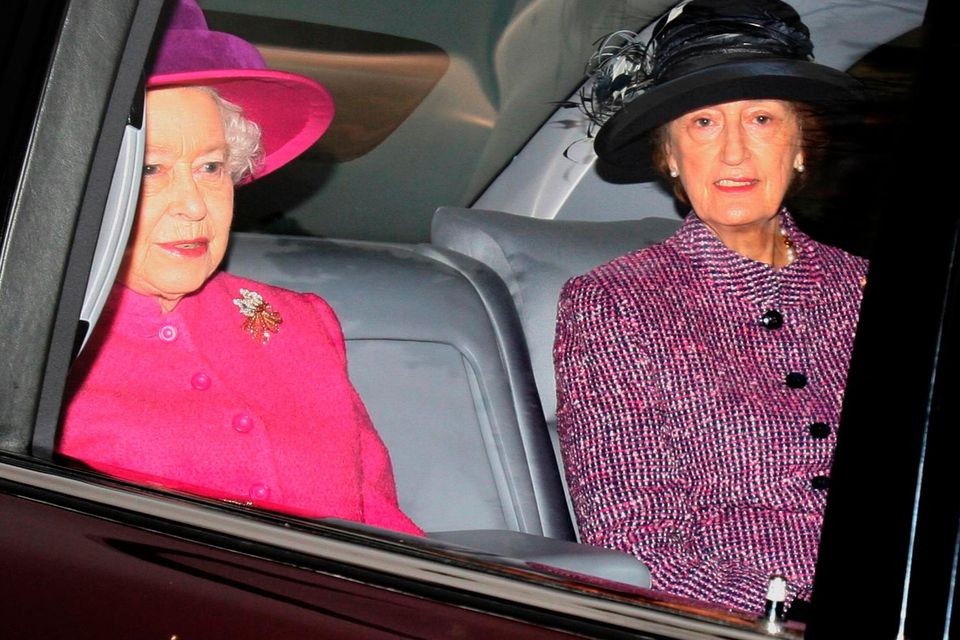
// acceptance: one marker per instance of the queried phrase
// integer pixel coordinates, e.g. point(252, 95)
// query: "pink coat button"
point(242, 423)
point(167, 333)
point(259, 492)
point(200, 381)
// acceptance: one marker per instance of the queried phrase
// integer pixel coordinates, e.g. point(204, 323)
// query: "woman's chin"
point(169, 289)
point(733, 217)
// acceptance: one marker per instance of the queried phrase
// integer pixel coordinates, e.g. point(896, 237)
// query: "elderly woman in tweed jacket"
point(700, 380)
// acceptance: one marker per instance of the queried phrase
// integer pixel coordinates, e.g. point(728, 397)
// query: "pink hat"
point(293, 111)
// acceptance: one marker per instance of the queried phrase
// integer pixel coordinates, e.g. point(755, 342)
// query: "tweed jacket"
point(189, 400)
point(699, 394)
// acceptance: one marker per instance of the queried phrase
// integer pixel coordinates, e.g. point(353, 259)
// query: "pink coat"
point(191, 401)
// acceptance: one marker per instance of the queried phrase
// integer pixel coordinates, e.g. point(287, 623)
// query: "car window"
point(433, 109)
point(471, 69)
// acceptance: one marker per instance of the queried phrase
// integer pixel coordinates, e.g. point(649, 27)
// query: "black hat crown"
point(715, 28)
point(702, 52)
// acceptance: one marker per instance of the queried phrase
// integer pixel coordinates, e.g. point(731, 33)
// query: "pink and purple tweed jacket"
point(699, 394)
point(189, 400)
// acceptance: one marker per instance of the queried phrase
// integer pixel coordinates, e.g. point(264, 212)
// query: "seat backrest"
point(534, 258)
point(443, 372)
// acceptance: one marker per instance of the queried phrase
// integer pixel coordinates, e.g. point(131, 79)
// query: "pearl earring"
point(674, 173)
point(799, 167)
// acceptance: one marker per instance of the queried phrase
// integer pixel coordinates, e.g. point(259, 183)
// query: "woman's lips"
point(735, 185)
point(187, 248)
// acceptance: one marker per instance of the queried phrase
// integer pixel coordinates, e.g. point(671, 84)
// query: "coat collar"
point(797, 284)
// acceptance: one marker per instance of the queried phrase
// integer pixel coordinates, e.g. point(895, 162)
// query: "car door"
point(888, 561)
point(84, 556)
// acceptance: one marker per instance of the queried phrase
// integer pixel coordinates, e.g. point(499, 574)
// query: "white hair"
point(244, 147)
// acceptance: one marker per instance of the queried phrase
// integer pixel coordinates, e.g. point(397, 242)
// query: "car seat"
point(534, 258)
point(438, 356)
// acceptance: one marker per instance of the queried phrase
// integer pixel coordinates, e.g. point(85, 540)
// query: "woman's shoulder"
point(303, 309)
point(841, 270)
point(638, 283)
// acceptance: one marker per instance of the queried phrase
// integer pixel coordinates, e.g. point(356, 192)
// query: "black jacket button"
point(819, 430)
point(772, 319)
point(796, 380)
point(820, 483)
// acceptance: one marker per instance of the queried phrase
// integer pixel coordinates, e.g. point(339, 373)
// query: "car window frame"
point(60, 198)
point(41, 290)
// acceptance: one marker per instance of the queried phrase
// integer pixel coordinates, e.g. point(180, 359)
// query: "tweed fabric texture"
point(682, 441)
point(189, 400)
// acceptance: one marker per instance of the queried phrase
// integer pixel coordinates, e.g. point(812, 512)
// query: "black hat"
point(701, 53)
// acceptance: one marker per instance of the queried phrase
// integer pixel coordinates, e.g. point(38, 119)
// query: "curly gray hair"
point(244, 148)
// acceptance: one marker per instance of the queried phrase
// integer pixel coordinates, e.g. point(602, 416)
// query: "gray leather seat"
point(438, 356)
point(442, 371)
point(534, 258)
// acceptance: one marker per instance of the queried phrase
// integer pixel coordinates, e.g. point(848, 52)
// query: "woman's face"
point(186, 199)
point(736, 159)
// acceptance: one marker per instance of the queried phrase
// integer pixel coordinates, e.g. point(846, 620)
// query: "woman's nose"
point(187, 200)
point(734, 150)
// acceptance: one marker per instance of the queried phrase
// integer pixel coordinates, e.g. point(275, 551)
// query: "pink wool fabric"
point(682, 441)
point(190, 401)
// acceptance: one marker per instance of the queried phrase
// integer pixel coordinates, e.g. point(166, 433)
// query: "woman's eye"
point(151, 169)
point(763, 119)
point(212, 167)
point(702, 122)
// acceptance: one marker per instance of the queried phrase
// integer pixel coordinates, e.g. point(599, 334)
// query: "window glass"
point(502, 66)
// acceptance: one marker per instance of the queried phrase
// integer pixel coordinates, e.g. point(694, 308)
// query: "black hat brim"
point(623, 142)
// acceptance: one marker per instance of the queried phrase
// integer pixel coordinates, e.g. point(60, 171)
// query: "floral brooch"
point(262, 320)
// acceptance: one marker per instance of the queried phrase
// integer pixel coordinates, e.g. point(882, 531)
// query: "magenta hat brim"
point(293, 111)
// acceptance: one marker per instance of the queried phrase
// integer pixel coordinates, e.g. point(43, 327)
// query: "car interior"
point(449, 336)
point(453, 339)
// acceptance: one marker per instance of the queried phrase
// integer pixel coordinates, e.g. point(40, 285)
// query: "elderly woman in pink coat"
point(200, 381)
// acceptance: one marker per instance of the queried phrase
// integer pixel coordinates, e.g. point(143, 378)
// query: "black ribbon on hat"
point(624, 66)
point(733, 35)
